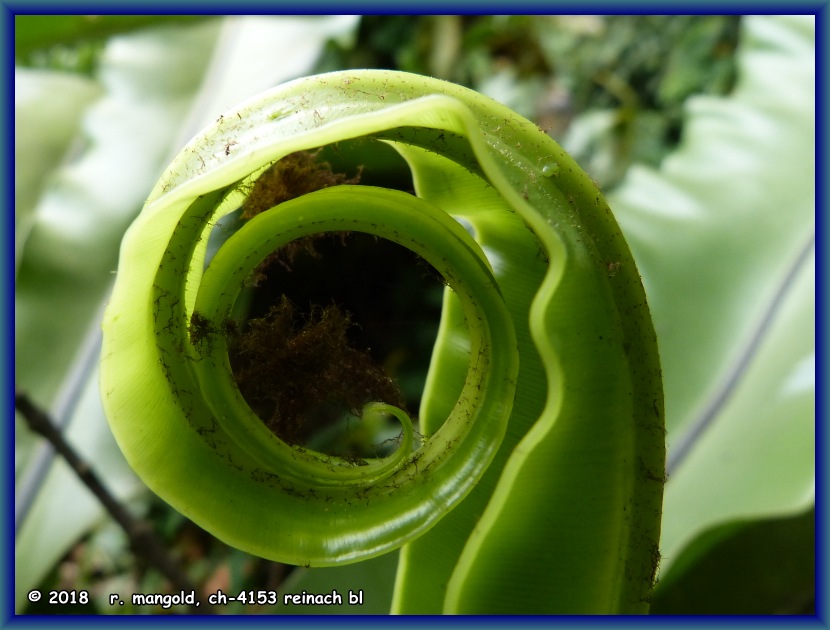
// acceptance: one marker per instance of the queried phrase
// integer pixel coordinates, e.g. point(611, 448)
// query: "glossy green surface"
point(564, 496)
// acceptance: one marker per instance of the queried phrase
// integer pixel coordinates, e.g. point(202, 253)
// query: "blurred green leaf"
point(65, 272)
point(724, 238)
point(71, 251)
point(700, 60)
point(753, 568)
point(375, 577)
point(38, 32)
point(157, 87)
point(653, 59)
point(44, 129)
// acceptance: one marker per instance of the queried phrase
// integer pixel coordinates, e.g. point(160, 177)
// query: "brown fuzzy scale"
point(293, 370)
point(288, 369)
point(294, 175)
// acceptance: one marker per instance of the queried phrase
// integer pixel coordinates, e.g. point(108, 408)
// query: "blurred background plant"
point(700, 130)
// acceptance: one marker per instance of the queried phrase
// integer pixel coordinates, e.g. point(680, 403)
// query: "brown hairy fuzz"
point(294, 175)
point(290, 369)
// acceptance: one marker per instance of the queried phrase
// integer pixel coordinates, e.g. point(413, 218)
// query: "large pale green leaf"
point(158, 87)
point(78, 222)
point(724, 236)
point(44, 128)
point(65, 273)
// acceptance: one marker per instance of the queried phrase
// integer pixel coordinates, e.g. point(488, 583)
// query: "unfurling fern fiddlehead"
point(542, 415)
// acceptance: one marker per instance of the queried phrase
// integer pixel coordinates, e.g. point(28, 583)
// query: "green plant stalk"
point(568, 491)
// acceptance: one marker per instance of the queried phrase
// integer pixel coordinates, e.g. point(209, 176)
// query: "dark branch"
point(143, 541)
